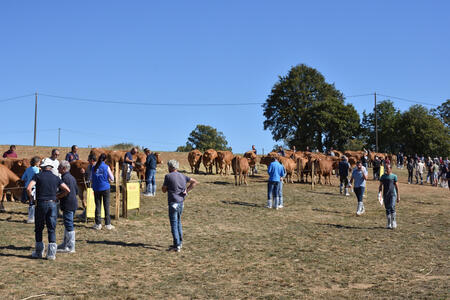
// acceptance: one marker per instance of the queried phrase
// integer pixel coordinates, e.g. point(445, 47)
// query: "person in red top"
point(11, 153)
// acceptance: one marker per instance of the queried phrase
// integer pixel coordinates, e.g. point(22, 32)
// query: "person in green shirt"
point(389, 187)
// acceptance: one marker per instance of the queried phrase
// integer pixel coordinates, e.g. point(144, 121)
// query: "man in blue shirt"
point(275, 185)
point(73, 155)
point(359, 175)
point(47, 185)
point(389, 186)
point(175, 186)
point(26, 178)
point(150, 172)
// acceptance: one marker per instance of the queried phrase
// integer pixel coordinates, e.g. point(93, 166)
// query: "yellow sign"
point(133, 195)
point(381, 170)
point(90, 207)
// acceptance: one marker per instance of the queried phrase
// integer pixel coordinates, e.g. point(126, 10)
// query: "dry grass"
point(235, 248)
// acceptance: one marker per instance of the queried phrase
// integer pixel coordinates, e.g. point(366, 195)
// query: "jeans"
point(419, 175)
point(275, 192)
point(150, 181)
point(68, 219)
point(45, 214)
point(389, 204)
point(359, 192)
point(98, 195)
point(127, 168)
point(376, 173)
point(175, 211)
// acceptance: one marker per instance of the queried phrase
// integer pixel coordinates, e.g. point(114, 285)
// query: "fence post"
point(117, 179)
point(312, 175)
point(124, 194)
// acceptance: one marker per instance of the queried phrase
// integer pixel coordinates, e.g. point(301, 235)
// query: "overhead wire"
point(14, 98)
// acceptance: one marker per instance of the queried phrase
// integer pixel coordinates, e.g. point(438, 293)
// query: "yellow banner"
point(381, 170)
point(133, 195)
point(90, 209)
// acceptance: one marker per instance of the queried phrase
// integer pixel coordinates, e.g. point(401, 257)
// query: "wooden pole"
point(312, 175)
point(124, 194)
point(117, 178)
point(298, 169)
point(376, 123)
point(35, 117)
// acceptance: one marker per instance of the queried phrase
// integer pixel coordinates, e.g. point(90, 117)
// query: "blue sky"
point(207, 52)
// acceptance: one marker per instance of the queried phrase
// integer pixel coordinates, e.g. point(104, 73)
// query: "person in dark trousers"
point(376, 168)
point(344, 168)
point(150, 172)
point(47, 185)
point(101, 175)
point(389, 186)
point(69, 205)
point(410, 167)
point(175, 186)
point(73, 155)
point(359, 176)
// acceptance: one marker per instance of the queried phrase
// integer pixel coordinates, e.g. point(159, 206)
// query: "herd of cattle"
point(298, 163)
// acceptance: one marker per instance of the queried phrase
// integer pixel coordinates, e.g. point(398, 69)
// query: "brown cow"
point(9, 180)
point(252, 160)
point(195, 159)
point(289, 165)
point(240, 167)
point(78, 169)
point(16, 165)
point(325, 167)
point(209, 159)
point(113, 157)
point(223, 160)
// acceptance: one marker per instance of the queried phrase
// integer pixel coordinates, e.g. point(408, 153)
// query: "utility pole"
point(376, 124)
point(35, 117)
point(59, 137)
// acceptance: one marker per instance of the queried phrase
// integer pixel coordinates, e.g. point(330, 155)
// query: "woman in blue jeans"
point(101, 175)
point(359, 175)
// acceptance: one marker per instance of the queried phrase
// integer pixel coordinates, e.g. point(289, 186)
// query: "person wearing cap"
point(150, 172)
point(47, 185)
point(69, 204)
point(101, 175)
point(177, 186)
point(73, 155)
point(359, 176)
point(344, 168)
point(128, 162)
point(26, 178)
point(11, 153)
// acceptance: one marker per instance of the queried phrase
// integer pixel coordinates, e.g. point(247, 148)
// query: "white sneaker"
point(281, 206)
point(97, 226)
point(109, 227)
point(148, 194)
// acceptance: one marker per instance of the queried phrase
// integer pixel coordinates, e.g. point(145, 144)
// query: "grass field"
point(233, 247)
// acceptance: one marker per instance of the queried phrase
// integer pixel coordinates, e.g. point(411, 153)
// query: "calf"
point(9, 180)
point(194, 159)
point(240, 167)
point(223, 160)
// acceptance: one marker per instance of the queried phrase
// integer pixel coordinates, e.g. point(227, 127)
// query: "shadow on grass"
point(12, 247)
point(241, 203)
point(13, 221)
point(220, 182)
point(15, 212)
point(349, 227)
point(330, 211)
point(125, 244)
point(323, 193)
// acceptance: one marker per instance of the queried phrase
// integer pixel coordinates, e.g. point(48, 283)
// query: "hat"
point(343, 157)
point(47, 162)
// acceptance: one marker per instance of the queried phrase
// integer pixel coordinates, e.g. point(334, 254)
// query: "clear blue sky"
point(205, 52)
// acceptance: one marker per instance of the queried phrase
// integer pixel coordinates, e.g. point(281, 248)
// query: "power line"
point(14, 98)
point(149, 104)
point(408, 100)
point(361, 95)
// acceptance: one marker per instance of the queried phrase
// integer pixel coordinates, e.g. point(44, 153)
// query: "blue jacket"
point(99, 178)
point(150, 162)
point(276, 171)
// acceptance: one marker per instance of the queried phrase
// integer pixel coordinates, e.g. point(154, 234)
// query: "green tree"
point(387, 122)
point(442, 112)
point(304, 110)
point(422, 133)
point(205, 137)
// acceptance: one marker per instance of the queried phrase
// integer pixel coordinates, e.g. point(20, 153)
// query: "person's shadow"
point(125, 244)
point(12, 247)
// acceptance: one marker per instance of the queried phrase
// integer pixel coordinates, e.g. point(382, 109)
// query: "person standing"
point(420, 166)
point(344, 168)
point(73, 155)
point(47, 185)
point(129, 162)
point(376, 168)
point(435, 170)
point(69, 204)
point(276, 173)
point(53, 159)
point(281, 151)
point(26, 178)
point(175, 186)
point(150, 172)
point(410, 167)
point(101, 175)
point(255, 170)
point(11, 153)
point(359, 176)
point(389, 187)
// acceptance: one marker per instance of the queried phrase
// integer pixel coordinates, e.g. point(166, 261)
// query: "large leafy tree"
point(387, 123)
point(205, 137)
point(304, 110)
point(442, 112)
point(422, 133)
